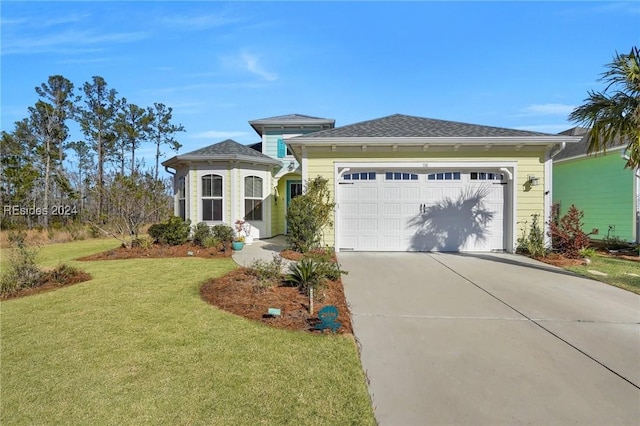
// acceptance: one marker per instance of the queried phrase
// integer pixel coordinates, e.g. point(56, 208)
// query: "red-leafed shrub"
point(567, 236)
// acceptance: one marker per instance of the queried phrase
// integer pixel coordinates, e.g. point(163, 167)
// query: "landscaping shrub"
point(64, 275)
point(268, 273)
point(613, 242)
point(173, 232)
point(308, 214)
point(567, 236)
point(224, 233)
point(532, 242)
point(331, 270)
point(201, 232)
point(22, 271)
point(211, 241)
point(142, 242)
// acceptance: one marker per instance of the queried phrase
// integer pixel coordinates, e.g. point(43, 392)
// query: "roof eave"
point(411, 141)
point(591, 155)
point(174, 161)
point(260, 125)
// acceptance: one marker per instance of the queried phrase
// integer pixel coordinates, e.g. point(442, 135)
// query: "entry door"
point(294, 188)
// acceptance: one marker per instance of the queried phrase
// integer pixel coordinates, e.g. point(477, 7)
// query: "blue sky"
point(521, 65)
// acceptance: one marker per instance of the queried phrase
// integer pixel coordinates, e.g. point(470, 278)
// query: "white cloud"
point(198, 22)
point(217, 134)
point(252, 64)
point(68, 41)
point(548, 109)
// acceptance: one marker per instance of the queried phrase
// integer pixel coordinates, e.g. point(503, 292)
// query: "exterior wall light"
point(533, 181)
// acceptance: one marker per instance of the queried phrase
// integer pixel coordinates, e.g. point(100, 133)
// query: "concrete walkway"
point(260, 250)
point(451, 339)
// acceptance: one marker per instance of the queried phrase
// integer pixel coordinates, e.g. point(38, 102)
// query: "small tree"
point(308, 214)
point(567, 236)
point(130, 201)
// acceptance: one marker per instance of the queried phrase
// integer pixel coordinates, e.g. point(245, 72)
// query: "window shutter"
point(282, 149)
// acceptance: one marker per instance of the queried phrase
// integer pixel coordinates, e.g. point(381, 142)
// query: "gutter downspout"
point(560, 148)
point(166, 169)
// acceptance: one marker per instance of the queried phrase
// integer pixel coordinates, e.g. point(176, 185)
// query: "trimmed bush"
point(201, 232)
point(173, 232)
point(224, 233)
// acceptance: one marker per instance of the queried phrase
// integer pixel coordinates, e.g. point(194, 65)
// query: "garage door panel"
point(367, 242)
point(391, 241)
point(412, 193)
point(349, 209)
point(368, 225)
point(369, 193)
point(368, 209)
point(392, 224)
point(392, 193)
point(391, 209)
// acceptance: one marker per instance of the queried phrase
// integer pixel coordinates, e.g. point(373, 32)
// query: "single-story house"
point(400, 183)
point(599, 185)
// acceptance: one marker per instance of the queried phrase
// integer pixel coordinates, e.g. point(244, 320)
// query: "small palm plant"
point(308, 275)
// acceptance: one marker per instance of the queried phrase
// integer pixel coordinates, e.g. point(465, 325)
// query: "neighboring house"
point(599, 185)
point(400, 183)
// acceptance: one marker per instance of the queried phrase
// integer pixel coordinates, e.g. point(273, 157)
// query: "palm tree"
point(613, 115)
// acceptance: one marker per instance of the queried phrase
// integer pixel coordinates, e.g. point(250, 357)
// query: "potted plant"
point(243, 228)
point(238, 242)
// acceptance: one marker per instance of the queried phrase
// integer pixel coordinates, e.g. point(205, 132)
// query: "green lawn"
point(137, 345)
point(617, 271)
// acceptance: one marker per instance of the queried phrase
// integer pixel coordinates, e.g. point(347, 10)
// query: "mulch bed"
point(159, 251)
point(557, 259)
point(50, 284)
point(239, 293)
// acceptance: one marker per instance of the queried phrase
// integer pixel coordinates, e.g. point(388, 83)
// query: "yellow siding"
point(193, 214)
point(530, 200)
point(277, 212)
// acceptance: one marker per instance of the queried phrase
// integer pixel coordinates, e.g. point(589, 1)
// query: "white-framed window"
point(252, 198)
point(212, 197)
point(182, 203)
point(400, 176)
point(444, 176)
point(360, 176)
point(485, 176)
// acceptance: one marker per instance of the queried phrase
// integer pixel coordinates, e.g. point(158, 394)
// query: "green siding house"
point(599, 185)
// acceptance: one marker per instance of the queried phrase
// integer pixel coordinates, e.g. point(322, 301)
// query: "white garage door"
point(452, 210)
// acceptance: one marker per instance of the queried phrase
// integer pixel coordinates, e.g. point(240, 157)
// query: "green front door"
point(294, 188)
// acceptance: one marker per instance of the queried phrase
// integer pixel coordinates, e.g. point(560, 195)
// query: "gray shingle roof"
point(581, 148)
point(225, 150)
point(399, 125)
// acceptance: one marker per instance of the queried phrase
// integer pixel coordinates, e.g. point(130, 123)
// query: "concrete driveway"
point(492, 340)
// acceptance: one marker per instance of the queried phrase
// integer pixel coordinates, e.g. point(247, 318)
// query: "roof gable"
point(407, 126)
